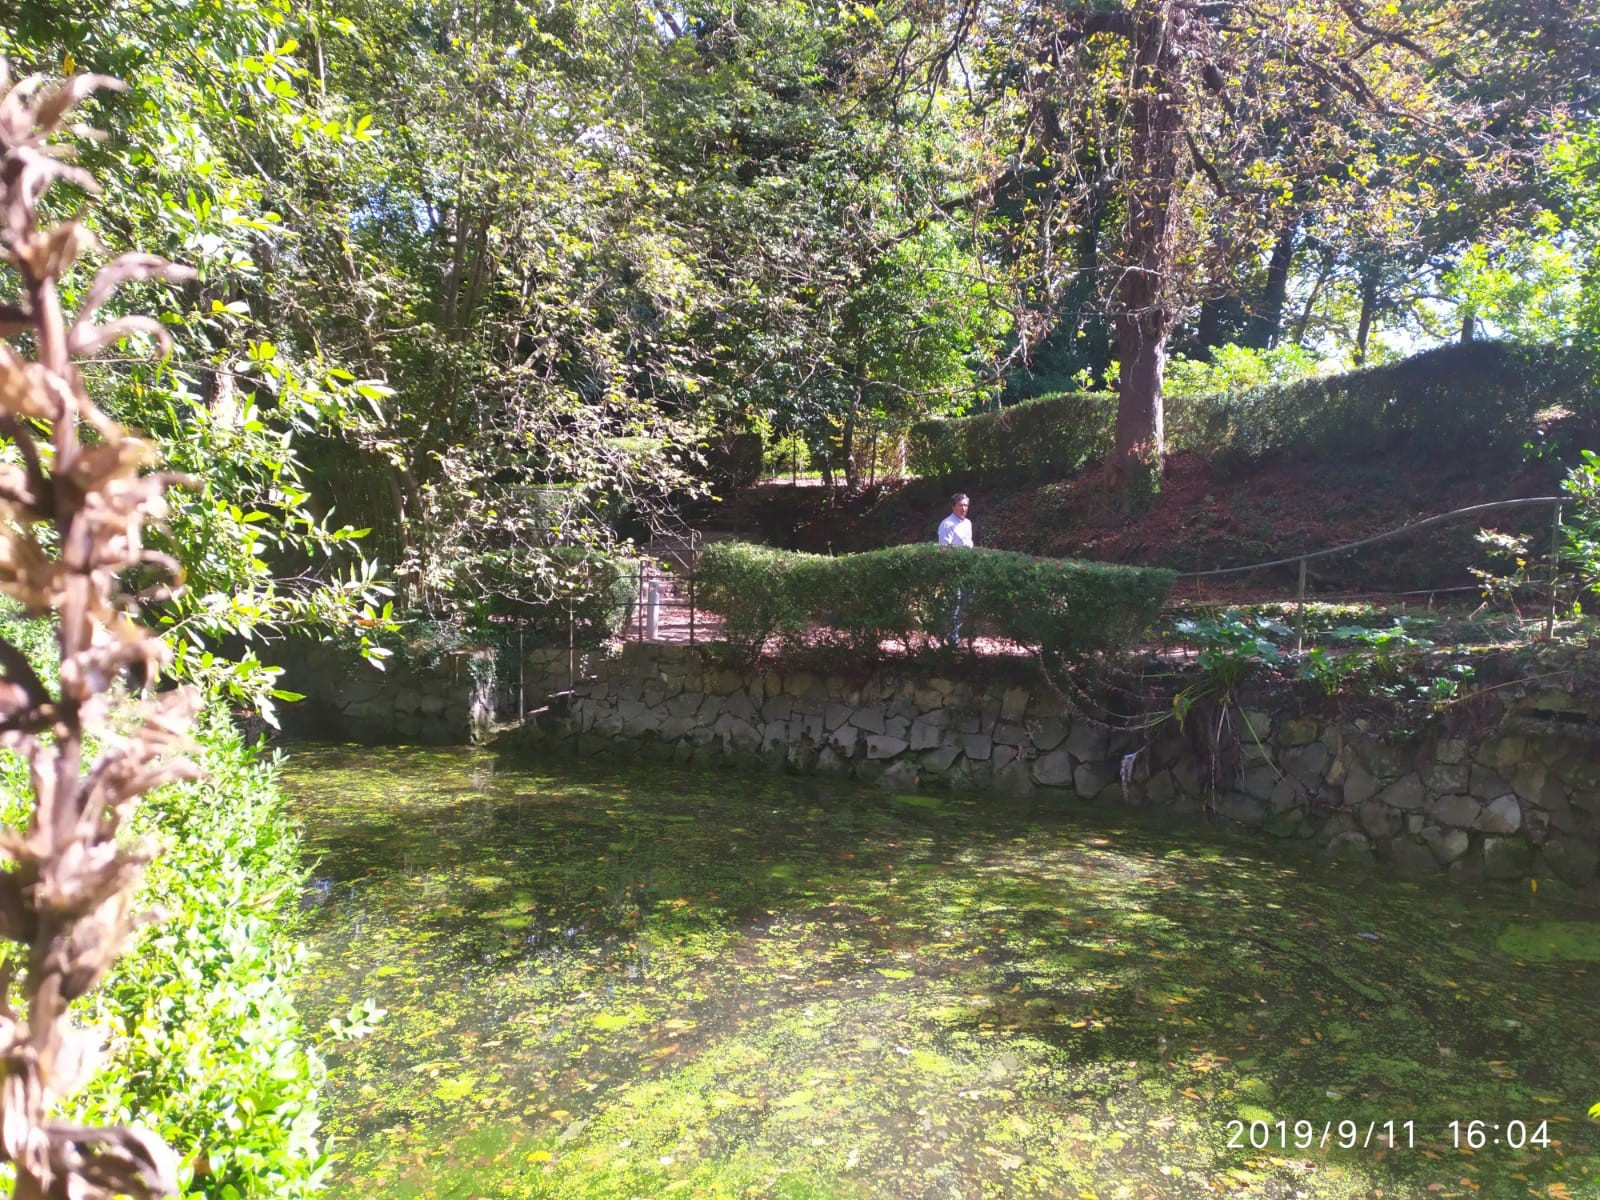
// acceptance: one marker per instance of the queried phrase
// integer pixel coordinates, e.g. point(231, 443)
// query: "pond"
point(620, 983)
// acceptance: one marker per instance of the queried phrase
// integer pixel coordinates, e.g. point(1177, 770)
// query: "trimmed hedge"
point(1479, 395)
point(1064, 608)
point(1485, 395)
point(1061, 432)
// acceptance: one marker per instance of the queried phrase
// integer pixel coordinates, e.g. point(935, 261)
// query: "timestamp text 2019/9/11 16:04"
point(1387, 1135)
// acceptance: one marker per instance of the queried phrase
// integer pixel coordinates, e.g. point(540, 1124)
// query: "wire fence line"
point(1472, 510)
point(1438, 519)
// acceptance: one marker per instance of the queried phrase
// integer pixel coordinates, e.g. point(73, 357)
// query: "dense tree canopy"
point(1182, 152)
point(486, 276)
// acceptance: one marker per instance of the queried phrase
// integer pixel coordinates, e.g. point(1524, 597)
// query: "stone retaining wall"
point(1522, 801)
point(447, 703)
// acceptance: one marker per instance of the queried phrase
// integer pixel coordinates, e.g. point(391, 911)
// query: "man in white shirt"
point(956, 530)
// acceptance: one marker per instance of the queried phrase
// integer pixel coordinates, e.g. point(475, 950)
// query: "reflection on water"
point(644, 982)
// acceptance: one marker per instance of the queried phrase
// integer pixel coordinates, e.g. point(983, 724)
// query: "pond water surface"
point(609, 984)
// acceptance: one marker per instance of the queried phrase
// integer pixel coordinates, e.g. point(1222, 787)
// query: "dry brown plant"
point(76, 491)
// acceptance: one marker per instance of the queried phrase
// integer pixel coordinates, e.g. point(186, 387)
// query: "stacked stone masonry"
point(1522, 801)
point(444, 703)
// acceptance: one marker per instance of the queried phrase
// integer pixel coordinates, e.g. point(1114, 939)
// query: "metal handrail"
point(1439, 519)
point(1423, 524)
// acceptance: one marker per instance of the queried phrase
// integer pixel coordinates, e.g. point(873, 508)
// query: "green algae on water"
point(928, 803)
point(1553, 941)
point(605, 984)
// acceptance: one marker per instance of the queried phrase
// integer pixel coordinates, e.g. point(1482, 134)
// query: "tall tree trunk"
point(1082, 332)
point(1221, 322)
point(454, 275)
point(1469, 324)
point(852, 473)
point(478, 275)
point(1266, 325)
point(1141, 416)
point(1141, 303)
point(1306, 313)
point(1369, 309)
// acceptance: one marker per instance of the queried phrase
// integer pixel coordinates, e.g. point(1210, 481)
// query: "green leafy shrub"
point(786, 454)
point(1233, 369)
point(1059, 432)
point(599, 595)
point(593, 589)
point(1062, 607)
point(1581, 531)
point(210, 1051)
point(204, 1044)
point(1529, 576)
point(734, 459)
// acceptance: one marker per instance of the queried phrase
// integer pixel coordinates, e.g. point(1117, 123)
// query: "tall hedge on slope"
point(1482, 395)
point(1478, 396)
point(1060, 432)
point(1063, 608)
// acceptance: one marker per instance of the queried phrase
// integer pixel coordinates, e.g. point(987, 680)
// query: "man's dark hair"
point(958, 498)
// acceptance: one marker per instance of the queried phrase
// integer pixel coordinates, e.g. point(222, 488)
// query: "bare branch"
point(1394, 37)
